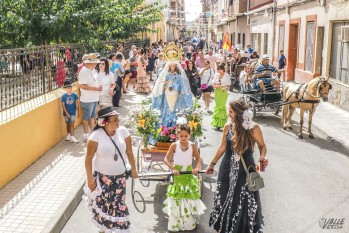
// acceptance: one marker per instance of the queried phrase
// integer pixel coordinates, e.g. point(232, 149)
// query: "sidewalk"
point(42, 198)
point(332, 122)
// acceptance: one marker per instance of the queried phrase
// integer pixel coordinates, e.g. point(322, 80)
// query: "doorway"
point(292, 51)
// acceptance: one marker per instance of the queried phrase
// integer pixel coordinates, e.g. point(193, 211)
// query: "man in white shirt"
point(89, 89)
point(220, 55)
point(120, 51)
point(133, 47)
point(212, 59)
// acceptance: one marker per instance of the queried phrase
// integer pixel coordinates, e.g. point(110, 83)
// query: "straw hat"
point(91, 58)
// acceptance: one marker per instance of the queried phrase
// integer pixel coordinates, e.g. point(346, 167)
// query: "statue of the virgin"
point(172, 92)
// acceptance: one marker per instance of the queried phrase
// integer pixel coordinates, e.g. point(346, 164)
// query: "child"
point(183, 204)
point(159, 64)
point(70, 105)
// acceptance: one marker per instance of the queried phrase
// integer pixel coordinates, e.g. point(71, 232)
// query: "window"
point(243, 40)
point(239, 38)
point(265, 43)
point(254, 41)
point(339, 63)
point(309, 53)
point(281, 37)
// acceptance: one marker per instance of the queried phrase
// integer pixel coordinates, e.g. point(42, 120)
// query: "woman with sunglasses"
point(105, 165)
point(105, 78)
point(206, 74)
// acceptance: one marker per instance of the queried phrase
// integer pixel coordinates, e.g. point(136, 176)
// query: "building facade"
point(234, 20)
point(313, 35)
point(261, 19)
point(174, 24)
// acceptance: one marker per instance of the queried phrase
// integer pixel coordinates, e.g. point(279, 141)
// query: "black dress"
point(194, 80)
point(235, 209)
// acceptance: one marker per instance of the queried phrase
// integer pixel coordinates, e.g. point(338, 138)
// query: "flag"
point(226, 43)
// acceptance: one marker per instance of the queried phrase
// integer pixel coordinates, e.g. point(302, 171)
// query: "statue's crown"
point(172, 52)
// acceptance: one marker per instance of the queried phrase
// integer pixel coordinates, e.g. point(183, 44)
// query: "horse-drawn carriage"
point(258, 100)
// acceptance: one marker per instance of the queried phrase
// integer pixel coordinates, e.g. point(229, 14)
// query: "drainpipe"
point(274, 28)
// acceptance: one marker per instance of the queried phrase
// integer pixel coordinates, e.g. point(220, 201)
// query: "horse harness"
point(302, 100)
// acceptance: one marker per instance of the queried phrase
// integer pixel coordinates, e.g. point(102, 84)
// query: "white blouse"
point(225, 81)
point(205, 79)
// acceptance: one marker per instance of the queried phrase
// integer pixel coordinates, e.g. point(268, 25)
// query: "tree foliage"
point(37, 22)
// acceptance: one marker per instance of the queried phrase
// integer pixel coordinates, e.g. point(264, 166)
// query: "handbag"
point(204, 86)
point(127, 167)
point(254, 181)
point(105, 100)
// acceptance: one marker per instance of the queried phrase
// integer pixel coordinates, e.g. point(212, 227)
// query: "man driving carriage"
point(263, 75)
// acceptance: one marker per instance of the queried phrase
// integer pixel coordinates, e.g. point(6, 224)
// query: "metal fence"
point(30, 72)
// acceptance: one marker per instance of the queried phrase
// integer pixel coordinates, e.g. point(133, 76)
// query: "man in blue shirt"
point(263, 74)
point(249, 49)
point(282, 61)
point(118, 71)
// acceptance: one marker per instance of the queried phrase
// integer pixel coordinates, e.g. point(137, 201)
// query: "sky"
point(193, 9)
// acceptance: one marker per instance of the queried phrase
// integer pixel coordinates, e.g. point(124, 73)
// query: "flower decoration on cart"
point(194, 119)
point(144, 118)
point(166, 134)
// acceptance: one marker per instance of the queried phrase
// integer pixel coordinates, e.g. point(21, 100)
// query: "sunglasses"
point(101, 64)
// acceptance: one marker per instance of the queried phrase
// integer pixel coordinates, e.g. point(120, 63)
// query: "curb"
point(337, 142)
point(63, 214)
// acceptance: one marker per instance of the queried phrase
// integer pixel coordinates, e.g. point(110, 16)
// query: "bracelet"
point(212, 163)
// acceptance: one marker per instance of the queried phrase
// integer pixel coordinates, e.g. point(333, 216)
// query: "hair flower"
point(101, 122)
point(247, 123)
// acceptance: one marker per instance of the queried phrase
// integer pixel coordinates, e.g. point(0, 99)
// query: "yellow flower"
point(141, 123)
point(140, 116)
point(192, 124)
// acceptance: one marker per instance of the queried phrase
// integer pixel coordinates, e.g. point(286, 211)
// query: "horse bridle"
point(321, 82)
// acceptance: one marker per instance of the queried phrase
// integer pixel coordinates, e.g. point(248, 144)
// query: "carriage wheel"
point(254, 110)
point(276, 110)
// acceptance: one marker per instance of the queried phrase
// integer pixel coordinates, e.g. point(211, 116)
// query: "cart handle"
point(167, 173)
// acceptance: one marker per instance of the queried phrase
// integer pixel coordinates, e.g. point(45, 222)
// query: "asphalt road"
point(307, 180)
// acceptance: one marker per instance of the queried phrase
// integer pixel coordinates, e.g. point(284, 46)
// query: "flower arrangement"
point(166, 134)
point(194, 118)
point(144, 118)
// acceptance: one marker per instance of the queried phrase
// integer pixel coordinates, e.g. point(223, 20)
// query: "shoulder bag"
point(254, 180)
point(204, 86)
point(128, 167)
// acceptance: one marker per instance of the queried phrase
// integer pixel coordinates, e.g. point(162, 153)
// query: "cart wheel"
point(138, 202)
point(139, 160)
point(276, 110)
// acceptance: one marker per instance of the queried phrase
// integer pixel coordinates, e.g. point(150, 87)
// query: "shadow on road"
point(275, 122)
point(162, 219)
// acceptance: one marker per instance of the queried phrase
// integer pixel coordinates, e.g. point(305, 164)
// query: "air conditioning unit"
point(322, 2)
point(345, 33)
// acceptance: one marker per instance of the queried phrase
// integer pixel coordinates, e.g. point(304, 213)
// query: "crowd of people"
point(103, 82)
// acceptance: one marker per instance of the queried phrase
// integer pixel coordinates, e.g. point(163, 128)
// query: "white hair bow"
point(181, 121)
point(247, 123)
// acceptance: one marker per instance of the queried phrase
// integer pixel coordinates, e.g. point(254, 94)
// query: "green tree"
point(38, 22)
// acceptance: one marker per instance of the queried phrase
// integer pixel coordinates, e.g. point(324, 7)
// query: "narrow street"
point(305, 182)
